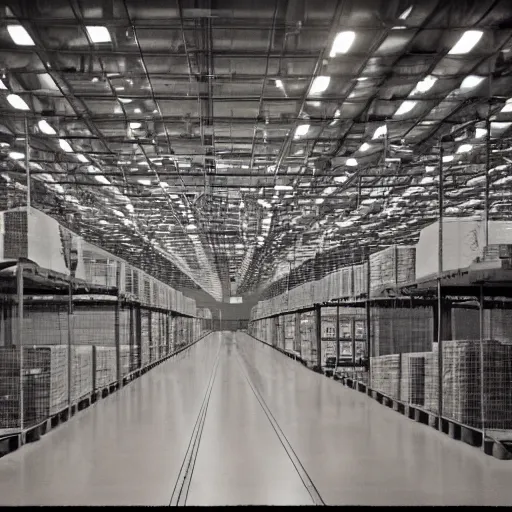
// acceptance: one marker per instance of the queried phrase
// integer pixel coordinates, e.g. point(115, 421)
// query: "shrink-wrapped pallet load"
point(386, 374)
point(81, 371)
point(392, 267)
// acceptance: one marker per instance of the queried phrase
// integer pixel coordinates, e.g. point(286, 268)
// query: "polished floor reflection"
point(129, 448)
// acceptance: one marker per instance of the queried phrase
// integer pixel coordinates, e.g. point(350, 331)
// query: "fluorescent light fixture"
point(15, 155)
point(342, 42)
point(82, 158)
point(137, 110)
point(320, 84)
point(381, 131)
point(279, 84)
point(130, 207)
point(164, 184)
point(319, 200)
point(19, 35)
point(2, 85)
point(340, 179)
point(102, 179)
point(471, 81)
point(351, 162)
point(506, 108)
point(447, 158)
point(135, 125)
point(480, 133)
point(191, 227)
point(424, 85)
point(283, 187)
point(46, 128)
point(174, 196)
point(64, 145)
point(98, 34)
point(17, 102)
point(302, 130)
point(125, 100)
point(464, 148)
point(405, 14)
point(467, 42)
point(364, 147)
point(145, 182)
point(405, 107)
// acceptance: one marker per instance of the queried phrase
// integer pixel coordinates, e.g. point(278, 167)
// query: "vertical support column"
point(70, 339)
point(138, 334)
point(318, 335)
point(168, 317)
point(353, 338)
point(298, 336)
point(337, 330)
point(131, 334)
point(482, 359)
point(440, 320)
point(283, 330)
point(150, 335)
point(368, 320)
point(117, 332)
point(19, 342)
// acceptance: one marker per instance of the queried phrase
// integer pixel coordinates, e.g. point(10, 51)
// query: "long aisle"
point(359, 452)
point(231, 422)
point(241, 460)
point(124, 450)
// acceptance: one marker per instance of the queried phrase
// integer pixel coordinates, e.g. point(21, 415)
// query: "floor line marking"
point(303, 474)
point(180, 492)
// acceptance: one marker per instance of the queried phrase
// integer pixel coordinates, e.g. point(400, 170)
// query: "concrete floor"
point(128, 449)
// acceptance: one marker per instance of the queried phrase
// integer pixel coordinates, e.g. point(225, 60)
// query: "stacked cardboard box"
point(45, 384)
point(391, 267)
point(360, 277)
point(386, 375)
point(105, 366)
point(462, 383)
point(81, 371)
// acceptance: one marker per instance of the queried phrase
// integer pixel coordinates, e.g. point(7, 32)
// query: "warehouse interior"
point(258, 251)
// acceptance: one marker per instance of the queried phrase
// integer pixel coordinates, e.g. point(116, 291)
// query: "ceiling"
point(219, 144)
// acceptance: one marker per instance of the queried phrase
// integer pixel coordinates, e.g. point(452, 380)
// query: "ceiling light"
point(340, 179)
point(137, 110)
point(506, 108)
point(145, 182)
point(405, 107)
point(2, 85)
point(174, 196)
point(99, 34)
point(464, 148)
point(467, 42)
point(351, 162)
point(319, 200)
point(447, 158)
point(82, 158)
point(320, 84)
point(46, 128)
point(381, 131)
point(64, 145)
point(302, 130)
point(15, 155)
point(191, 227)
point(424, 85)
point(283, 187)
point(364, 147)
point(130, 207)
point(480, 132)
point(279, 84)
point(342, 43)
point(135, 125)
point(102, 179)
point(17, 102)
point(125, 100)
point(405, 14)
point(471, 81)
point(19, 35)
point(164, 184)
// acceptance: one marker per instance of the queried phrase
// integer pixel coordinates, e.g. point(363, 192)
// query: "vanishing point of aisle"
point(231, 421)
